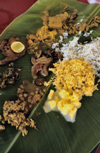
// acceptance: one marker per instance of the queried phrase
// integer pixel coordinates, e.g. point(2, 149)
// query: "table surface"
point(10, 9)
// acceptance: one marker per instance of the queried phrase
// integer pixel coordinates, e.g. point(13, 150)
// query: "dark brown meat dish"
point(5, 47)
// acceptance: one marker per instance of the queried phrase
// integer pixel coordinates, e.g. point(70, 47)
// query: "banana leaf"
point(54, 134)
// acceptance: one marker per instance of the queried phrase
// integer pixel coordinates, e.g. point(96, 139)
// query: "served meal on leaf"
point(73, 68)
point(73, 79)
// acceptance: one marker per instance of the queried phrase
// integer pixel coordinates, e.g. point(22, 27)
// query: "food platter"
point(54, 134)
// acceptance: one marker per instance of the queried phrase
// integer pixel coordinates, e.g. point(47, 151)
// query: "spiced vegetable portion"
point(9, 77)
point(12, 49)
point(16, 112)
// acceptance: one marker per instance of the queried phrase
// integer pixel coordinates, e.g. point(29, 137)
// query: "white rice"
point(55, 45)
point(88, 33)
point(79, 33)
point(65, 34)
point(61, 39)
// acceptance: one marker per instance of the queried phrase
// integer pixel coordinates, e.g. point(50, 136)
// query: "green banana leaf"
point(54, 134)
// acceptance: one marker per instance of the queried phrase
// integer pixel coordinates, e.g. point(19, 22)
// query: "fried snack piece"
point(56, 22)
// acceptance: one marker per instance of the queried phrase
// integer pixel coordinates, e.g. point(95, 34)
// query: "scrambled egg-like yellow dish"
point(74, 79)
point(75, 75)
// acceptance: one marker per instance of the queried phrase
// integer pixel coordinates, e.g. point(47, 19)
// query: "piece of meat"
point(41, 64)
point(5, 47)
point(38, 67)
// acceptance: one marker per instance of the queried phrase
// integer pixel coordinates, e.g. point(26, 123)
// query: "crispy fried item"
point(56, 22)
